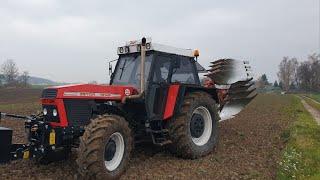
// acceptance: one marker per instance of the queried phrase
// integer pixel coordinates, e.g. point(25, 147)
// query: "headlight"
point(126, 49)
point(148, 46)
point(45, 111)
point(121, 50)
point(54, 112)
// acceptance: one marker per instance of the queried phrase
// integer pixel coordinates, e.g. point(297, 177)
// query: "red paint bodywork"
point(85, 91)
point(171, 101)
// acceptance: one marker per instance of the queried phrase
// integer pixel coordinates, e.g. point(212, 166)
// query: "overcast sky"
point(72, 40)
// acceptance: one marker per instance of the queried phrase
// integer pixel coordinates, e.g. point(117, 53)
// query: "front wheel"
point(105, 148)
point(194, 131)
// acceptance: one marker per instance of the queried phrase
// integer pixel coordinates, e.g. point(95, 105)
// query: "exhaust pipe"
point(143, 59)
point(142, 72)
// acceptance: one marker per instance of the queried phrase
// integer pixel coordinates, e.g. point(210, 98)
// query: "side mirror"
point(110, 69)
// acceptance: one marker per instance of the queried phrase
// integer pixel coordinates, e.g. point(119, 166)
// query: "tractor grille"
point(49, 93)
point(78, 112)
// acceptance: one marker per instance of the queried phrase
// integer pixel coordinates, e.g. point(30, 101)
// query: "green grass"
point(312, 103)
point(301, 157)
point(315, 97)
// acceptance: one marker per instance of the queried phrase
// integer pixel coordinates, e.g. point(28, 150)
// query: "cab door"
point(158, 86)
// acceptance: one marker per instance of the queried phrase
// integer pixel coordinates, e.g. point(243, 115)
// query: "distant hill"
point(41, 81)
point(36, 81)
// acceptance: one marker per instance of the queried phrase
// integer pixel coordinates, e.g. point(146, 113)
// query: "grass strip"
point(315, 97)
point(301, 157)
point(312, 103)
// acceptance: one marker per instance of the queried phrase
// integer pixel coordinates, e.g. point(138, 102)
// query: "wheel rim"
point(113, 152)
point(201, 126)
point(196, 125)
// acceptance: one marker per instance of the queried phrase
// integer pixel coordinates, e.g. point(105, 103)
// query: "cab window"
point(183, 71)
point(162, 69)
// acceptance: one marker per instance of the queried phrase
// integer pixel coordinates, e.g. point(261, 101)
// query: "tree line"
point(11, 77)
point(302, 76)
point(294, 75)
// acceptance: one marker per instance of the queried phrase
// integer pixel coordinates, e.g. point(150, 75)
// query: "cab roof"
point(135, 46)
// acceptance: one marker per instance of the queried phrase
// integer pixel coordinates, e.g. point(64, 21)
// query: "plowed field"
point(249, 148)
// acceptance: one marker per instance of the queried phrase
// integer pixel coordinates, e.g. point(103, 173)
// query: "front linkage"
point(44, 140)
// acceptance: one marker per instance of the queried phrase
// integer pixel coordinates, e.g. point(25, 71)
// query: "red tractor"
point(154, 94)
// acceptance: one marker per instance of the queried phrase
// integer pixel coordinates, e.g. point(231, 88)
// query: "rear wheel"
point(105, 148)
point(194, 131)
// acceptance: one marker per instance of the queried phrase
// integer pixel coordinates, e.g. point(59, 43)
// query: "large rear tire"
point(194, 131)
point(105, 148)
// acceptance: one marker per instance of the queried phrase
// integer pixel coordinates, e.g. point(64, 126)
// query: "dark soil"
point(17, 95)
point(249, 148)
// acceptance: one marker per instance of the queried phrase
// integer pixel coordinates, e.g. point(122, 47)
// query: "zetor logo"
point(127, 92)
point(90, 94)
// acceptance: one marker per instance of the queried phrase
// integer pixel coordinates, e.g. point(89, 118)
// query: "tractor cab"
point(168, 71)
point(163, 65)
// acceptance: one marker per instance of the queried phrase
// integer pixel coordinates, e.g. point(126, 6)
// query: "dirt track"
point(314, 112)
point(249, 148)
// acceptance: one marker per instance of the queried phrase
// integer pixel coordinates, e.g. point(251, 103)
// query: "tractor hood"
point(89, 91)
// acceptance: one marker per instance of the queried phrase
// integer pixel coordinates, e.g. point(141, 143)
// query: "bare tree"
point(287, 72)
point(10, 71)
point(265, 79)
point(309, 73)
point(262, 82)
point(314, 60)
point(1, 78)
point(304, 76)
point(24, 78)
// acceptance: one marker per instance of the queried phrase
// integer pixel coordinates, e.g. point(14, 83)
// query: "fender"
point(171, 101)
point(176, 95)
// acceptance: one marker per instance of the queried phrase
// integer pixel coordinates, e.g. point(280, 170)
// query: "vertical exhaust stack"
point(143, 58)
point(142, 72)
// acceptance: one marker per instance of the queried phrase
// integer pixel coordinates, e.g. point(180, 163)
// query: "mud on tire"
point(184, 142)
point(94, 142)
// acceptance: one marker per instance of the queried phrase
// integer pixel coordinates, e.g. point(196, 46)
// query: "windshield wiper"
point(124, 65)
point(122, 68)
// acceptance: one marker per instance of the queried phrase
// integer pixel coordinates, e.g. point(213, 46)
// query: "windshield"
point(128, 70)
